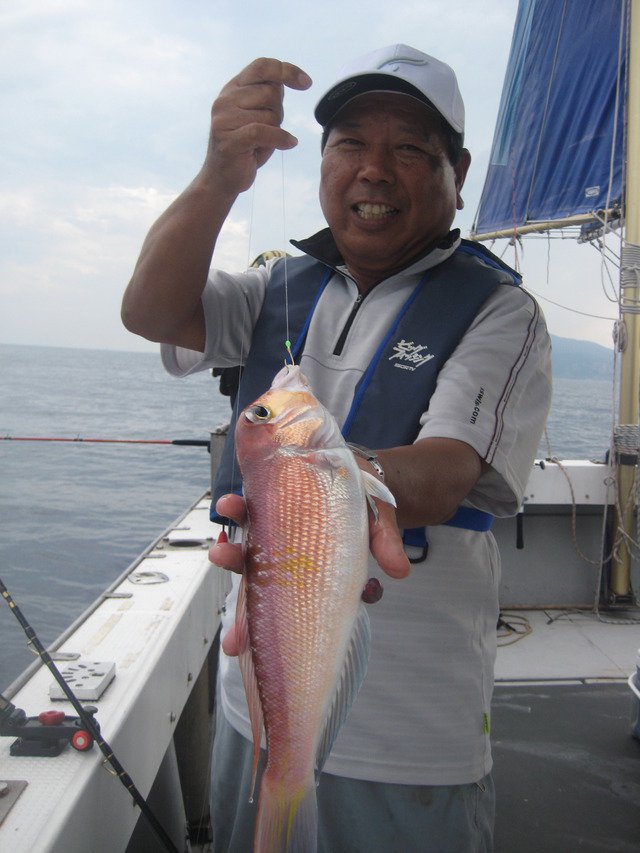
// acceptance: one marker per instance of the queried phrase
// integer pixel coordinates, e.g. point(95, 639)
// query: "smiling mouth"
point(374, 211)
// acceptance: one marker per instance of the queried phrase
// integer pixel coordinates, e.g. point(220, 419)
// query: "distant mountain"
point(573, 359)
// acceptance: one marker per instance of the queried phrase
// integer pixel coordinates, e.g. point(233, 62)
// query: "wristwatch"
point(370, 455)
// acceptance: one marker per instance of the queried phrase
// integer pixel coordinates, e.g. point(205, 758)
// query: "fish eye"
point(258, 414)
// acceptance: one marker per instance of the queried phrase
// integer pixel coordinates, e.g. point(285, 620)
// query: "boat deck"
point(552, 645)
point(566, 767)
point(157, 624)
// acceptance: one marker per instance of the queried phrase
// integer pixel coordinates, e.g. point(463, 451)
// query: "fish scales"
point(290, 583)
point(302, 630)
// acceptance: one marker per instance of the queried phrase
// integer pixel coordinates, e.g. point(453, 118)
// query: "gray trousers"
point(354, 816)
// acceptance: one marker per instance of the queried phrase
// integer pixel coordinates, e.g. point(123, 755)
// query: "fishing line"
point(89, 723)
point(227, 523)
point(287, 343)
point(263, 259)
point(235, 409)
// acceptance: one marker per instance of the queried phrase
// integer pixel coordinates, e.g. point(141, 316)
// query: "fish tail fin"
point(287, 820)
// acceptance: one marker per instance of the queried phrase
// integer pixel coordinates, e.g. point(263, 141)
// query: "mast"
point(629, 307)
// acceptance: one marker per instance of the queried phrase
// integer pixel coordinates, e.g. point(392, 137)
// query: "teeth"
point(372, 211)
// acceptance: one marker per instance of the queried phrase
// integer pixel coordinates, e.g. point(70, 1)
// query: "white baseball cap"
point(397, 68)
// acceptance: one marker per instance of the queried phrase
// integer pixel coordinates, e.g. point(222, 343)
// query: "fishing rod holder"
point(45, 735)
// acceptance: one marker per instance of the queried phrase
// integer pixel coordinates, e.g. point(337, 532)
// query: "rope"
point(630, 266)
point(517, 628)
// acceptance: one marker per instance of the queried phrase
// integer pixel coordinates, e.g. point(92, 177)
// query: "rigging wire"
point(568, 308)
point(608, 259)
point(621, 538)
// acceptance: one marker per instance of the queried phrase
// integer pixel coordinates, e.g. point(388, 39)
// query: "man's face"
point(388, 190)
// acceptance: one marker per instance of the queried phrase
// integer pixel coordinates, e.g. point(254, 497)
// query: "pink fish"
point(302, 629)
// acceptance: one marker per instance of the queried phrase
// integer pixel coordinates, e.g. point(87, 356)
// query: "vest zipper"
point(337, 350)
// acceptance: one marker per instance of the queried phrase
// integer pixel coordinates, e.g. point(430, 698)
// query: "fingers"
point(233, 507)
point(386, 543)
point(385, 540)
point(246, 119)
point(230, 642)
point(229, 556)
point(225, 554)
point(273, 71)
point(255, 97)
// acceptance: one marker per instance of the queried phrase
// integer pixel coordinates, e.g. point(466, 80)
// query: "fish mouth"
point(290, 378)
point(374, 210)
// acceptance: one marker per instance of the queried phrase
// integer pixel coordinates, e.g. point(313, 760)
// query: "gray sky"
point(105, 112)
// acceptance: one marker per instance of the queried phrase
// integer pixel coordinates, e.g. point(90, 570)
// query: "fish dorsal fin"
point(249, 677)
point(349, 683)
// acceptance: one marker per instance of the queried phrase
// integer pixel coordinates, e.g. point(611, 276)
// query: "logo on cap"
point(342, 90)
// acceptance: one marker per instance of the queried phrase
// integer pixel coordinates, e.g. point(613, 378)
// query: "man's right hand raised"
point(246, 119)
point(163, 299)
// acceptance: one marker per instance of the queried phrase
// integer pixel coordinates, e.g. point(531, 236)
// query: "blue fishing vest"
point(396, 387)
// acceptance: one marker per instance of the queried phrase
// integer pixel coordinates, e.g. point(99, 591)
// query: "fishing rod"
point(181, 442)
point(86, 717)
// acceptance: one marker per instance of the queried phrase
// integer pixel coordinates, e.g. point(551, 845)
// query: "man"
point(425, 349)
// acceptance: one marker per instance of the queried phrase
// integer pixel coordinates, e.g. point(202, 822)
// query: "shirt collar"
point(322, 247)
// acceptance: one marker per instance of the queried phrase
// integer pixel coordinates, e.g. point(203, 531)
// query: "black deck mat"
point(566, 769)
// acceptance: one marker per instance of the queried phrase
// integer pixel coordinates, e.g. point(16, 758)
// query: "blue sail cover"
point(561, 115)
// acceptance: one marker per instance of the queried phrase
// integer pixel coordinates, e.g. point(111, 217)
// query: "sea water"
point(75, 515)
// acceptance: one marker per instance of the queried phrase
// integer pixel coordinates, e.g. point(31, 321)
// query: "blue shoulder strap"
point(305, 281)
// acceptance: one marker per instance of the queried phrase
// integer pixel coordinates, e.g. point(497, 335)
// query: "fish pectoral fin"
point(331, 458)
point(249, 677)
point(353, 673)
point(327, 432)
point(375, 488)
